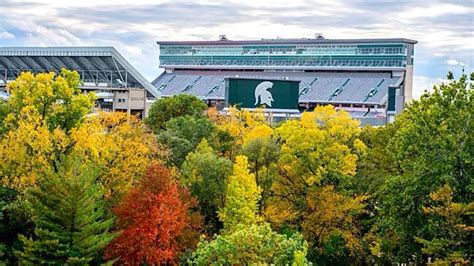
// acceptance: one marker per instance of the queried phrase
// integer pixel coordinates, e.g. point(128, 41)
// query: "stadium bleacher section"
point(368, 88)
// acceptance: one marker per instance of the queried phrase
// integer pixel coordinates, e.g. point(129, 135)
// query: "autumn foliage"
point(152, 217)
point(238, 189)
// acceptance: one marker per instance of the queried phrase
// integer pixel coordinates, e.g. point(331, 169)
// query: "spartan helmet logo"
point(262, 95)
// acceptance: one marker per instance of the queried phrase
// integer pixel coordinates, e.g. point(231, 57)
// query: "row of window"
point(343, 49)
point(354, 63)
point(380, 51)
point(385, 50)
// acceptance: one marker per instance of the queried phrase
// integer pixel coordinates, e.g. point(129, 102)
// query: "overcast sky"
point(444, 28)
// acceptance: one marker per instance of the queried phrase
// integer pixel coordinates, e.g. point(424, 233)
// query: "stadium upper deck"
point(305, 54)
point(369, 76)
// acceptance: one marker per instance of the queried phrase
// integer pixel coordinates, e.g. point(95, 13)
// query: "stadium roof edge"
point(56, 48)
point(85, 51)
point(287, 41)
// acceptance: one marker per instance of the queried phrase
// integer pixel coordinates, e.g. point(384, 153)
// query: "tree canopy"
point(67, 209)
point(151, 216)
point(242, 195)
point(256, 244)
point(190, 186)
point(182, 135)
point(165, 109)
point(432, 146)
point(55, 99)
point(205, 173)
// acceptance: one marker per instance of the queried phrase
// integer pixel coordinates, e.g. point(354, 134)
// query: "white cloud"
point(436, 9)
point(82, 3)
point(423, 83)
point(40, 35)
point(321, 4)
point(6, 35)
point(453, 62)
point(445, 40)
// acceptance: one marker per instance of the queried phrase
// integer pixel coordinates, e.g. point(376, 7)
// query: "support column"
point(113, 100)
point(144, 113)
point(129, 104)
point(408, 86)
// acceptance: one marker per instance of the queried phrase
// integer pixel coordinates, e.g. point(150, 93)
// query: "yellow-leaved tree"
point(243, 125)
point(242, 195)
point(40, 114)
point(245, 240)
point(28, 150)
point(331, 217)
point(254, 137)
point(47, 119)
point(317, 159)
point(119, 144)
point(56, 99)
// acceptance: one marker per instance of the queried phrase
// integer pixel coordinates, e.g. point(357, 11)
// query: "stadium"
point(103, 70)
point(370, 78)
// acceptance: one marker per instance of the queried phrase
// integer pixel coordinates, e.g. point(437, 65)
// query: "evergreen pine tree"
point(68, 212)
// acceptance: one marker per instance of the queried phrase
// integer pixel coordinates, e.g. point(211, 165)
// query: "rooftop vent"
point(345, 82)
point(304, 91)
point(162, 86)
point(339, 90)
point(319, 36)
point(373, 91)
point(188, 87)
point(380, 83)
point(213, 89)
point(336, 92)
point(312, 82)
point(223, 37)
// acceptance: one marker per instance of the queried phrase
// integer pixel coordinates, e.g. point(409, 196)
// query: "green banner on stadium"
point(253, 93)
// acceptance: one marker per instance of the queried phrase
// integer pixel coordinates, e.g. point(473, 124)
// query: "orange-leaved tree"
point(153, 218)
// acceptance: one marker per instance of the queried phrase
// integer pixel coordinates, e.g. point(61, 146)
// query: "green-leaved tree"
point(68, 213)
point(205, 173)
point(165, 109)
point(252, 245)
point(433, 146)
point(182, 135)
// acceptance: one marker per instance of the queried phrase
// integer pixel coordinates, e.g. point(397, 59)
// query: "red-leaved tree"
point(153, 217)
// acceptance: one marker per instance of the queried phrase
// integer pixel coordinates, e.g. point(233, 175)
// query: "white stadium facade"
point(370, 78)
